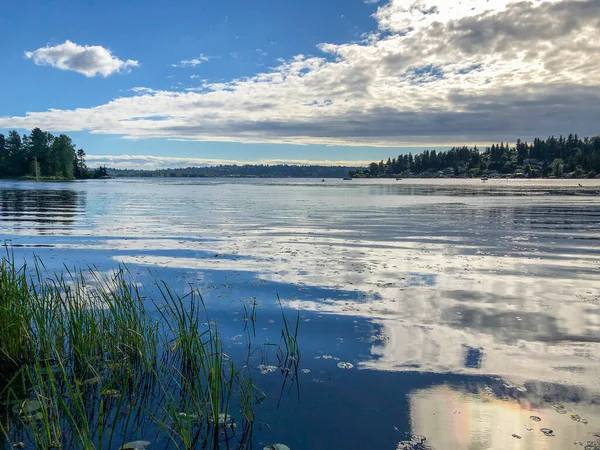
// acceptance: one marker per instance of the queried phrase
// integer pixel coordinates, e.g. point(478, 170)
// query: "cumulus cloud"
point(89, 60)
point(193, 62)
point(164, 162)
point(433, 72)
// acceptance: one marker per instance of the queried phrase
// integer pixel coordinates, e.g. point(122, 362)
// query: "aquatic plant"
point(92, 365)
point(15, 316)
point(289, 335)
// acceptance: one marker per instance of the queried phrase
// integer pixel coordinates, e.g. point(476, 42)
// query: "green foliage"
point(557, 157)
point(85, 362)
point(15, 315)
point(42, 155)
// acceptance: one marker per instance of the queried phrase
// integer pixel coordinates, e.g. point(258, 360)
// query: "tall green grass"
point(85, 363)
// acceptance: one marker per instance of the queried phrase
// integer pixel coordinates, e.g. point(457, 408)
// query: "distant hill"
point(239, 171)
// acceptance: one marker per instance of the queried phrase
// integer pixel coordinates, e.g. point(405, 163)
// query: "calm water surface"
point(464, 307)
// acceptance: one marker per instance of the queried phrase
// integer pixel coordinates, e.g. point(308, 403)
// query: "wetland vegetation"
point(88, 362)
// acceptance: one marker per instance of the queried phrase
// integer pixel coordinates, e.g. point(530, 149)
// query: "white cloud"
point(193, 62)
point(89, 60)
point(163, 162)
point(436, 72)
point(143, 90)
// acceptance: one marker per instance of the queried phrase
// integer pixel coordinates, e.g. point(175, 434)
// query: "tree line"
point(554, 157)
point(246, 171)
point(43, 155)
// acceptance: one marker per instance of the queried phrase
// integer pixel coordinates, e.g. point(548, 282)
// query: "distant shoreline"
point(266, 177)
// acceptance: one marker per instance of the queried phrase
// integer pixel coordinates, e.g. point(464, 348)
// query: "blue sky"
point(341, 80)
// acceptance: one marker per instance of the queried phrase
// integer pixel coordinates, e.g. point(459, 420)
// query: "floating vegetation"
point(224, 420)
point(266, 369)
point(135, 445)
point(190, 417)
point(415, 443)
point(345, 365)
point(560, 409)
point(277, 447)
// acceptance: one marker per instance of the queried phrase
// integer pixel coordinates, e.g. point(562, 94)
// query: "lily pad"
point(224, 420)
point(190, 417)
point(277, 447)
point(559, 409)
point(416, 443)
point(266, 369)
point(135, 445)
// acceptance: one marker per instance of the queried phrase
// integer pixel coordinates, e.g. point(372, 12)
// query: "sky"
point(169, 84)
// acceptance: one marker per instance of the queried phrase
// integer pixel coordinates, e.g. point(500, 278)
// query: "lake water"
point(464, 308)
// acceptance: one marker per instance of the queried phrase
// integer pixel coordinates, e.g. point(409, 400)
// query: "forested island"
point(41, 155)
point(562, 157)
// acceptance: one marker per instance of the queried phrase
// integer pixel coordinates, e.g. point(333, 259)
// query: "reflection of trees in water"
point(28, 207)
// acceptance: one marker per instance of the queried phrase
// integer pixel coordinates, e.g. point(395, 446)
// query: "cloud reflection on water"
point(459, 419)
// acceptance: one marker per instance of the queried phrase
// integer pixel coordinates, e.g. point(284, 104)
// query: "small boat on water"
point(347, 179)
